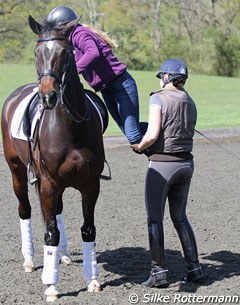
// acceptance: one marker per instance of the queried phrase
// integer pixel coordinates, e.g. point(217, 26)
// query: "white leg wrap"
point(90, 268)
point(62, 247)
point(26, 234)
point(50, 274)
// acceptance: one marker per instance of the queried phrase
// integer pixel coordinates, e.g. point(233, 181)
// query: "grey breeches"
point(169, 180)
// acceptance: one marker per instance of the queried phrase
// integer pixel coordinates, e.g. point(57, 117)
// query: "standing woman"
point(169, 137)
point(103, 72)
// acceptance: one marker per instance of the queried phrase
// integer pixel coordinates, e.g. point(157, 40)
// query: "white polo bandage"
point(62, 247)
point(50, 274)
point(90, 268)
point(26, 235)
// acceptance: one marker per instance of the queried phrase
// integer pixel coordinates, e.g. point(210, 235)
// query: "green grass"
point(217, 98)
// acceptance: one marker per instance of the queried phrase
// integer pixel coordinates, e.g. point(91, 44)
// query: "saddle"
point(32, 108)
point(99, 104)
point(29, 114)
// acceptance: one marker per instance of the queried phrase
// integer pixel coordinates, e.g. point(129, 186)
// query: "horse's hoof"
point(51, 294)
point(51, 298)
point(66, 260)
point(28, 266)
point(29, 269)
point(94, 286)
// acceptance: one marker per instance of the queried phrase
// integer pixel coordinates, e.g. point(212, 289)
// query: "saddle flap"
point(29, 114)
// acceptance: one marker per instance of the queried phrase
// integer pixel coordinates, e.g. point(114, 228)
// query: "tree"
point(203, 33)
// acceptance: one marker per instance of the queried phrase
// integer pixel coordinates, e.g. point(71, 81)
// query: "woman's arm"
point(154, 125)
point(86, 44)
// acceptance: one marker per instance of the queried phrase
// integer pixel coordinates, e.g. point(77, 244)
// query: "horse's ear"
point(34, 25)
point(68, 27)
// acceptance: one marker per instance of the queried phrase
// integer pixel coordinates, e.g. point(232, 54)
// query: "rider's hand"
point(136, 149)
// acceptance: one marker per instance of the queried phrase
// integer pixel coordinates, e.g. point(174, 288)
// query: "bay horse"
point(66, 150)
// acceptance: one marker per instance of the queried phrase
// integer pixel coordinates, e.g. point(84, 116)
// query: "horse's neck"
point(75, 94)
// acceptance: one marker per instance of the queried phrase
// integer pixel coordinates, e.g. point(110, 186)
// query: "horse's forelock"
point(49, 26)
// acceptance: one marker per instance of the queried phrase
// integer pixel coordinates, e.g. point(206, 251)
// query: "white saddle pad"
point(17, 122)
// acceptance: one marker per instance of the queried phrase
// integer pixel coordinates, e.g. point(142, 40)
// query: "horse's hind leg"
point(19, 175)
point(90, 267)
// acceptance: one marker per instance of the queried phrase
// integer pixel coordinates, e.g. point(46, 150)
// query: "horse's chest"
point(78, 162)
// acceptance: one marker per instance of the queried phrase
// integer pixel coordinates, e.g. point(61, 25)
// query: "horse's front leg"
point(19, 175)
point(50, 274)
point(90, 268)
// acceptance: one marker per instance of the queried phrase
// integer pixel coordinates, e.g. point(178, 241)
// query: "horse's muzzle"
point(49, 100)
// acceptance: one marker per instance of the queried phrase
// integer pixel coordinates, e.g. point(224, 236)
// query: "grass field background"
point(217, 98)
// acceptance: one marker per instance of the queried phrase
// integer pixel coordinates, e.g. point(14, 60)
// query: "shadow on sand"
point(133, 265)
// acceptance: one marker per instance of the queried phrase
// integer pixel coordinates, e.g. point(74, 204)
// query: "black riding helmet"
point(176, 70)
point(62, 14)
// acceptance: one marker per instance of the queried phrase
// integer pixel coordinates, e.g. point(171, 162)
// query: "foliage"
point(227, 55)
point(203, 33)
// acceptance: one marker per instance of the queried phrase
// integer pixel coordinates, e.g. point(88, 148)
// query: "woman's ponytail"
point(111, 43)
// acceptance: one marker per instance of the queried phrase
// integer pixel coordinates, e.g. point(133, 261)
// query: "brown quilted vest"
point(179, 115)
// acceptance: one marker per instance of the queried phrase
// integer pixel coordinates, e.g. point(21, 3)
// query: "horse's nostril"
point(49, 100)
point(52, 99)
point(52, 95)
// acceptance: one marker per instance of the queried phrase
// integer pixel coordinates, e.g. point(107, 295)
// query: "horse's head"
point(53, 56)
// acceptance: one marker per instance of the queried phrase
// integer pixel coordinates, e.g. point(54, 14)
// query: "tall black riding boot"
point(187, 238)
point(194, 274)
point(158, 275)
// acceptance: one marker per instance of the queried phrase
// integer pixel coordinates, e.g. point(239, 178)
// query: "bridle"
point(62, 80)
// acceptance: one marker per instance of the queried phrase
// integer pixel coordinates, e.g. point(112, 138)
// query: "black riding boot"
point(194, 274)
point(158, 275)
point(187, 238)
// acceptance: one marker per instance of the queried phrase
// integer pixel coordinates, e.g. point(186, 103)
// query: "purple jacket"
point(94, 59)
